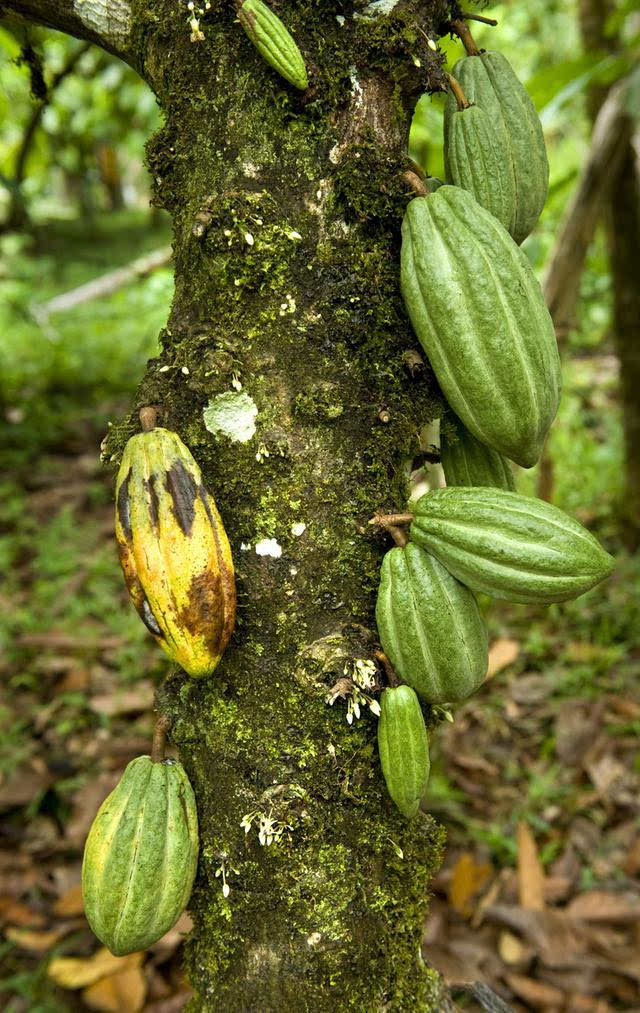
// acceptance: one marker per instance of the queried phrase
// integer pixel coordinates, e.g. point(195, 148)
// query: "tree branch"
point(105, 22)
point(610, 138)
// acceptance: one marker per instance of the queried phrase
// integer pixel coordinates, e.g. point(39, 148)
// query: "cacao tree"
point(283, 368)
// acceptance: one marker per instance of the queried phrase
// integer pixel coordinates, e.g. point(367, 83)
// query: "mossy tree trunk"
point(286, 211)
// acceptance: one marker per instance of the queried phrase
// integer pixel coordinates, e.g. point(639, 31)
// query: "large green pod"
point(466, 461)
point(404, 748)
point(274, 42)
point(477, 158)
point(489, 81)
point(430, 626)
point(509, 546)
point(141, 855)
point(480, 315)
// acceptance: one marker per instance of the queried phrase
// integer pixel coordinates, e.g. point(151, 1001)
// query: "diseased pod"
point(141, 855)
point(174, 551)
point(274, 43)
point(404, 748)
point(476, 158)
point(466, 461)
point(509, 546)
point(479, 313)
point(489, 82)
point(430, 626)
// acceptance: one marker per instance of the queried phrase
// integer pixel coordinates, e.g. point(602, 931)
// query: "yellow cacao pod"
point(174, 551)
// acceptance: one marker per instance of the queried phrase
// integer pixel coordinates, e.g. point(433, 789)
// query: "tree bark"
point(286, 212)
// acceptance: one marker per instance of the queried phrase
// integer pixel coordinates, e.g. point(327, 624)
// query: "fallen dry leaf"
point(24, 784)
point(511, 949)
point(14, 912)
point(36, 942)
point(85, 805)
point(503, 652)
point(139, 698)
point(124, 992)
point(603, 906)
point(70, 903)
point(78, 972)
point(530, 871)
point(467, 878)
point(536, 993)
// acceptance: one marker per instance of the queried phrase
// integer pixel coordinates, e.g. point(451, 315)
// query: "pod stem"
point(148, 418)
point(414, 181)
point(461, 29)
point(163, 724)
point(468, 16)
point(394, 524)
point(456, 88)
point(389, 670)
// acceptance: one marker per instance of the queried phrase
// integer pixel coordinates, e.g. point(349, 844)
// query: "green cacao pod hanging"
point(404, 748)
point(430, 626)
point(479, 313)
point(141, 855)
point(466, 461)
point(477, 158)
point(274, 43)
point(174, 551)
point(489, 82)
point(509, 546)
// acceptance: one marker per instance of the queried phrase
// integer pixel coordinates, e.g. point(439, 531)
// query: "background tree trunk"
point(287, 211)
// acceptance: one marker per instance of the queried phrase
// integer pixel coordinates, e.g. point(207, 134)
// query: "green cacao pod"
point(479, 313)
point(430, 626)
point(274, 43)
point(174, 551)
point(466, 461)
point(489, 81)
point(477, 158)
point(141, 855)
point(509, 546)
point(404, 748)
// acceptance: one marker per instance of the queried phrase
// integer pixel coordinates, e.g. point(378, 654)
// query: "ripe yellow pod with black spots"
point(174, 551)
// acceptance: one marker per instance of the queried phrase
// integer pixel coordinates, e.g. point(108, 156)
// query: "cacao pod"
point(404, 748)
point(477, 158)
point(509, 546)
point(479, 313)
point(430, 626)
point(466, 461)
point(488, 80)
point(174, 551)
point(141, 855)
point(274, 43)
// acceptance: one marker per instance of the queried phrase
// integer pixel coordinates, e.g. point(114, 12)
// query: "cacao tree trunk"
point(287, 318)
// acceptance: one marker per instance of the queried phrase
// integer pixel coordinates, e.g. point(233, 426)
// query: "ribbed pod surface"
point(477, 158)
point(275, 44)
point(489, 81)
point(430, 626)
point(479, 313)
point(174, 551)
point(404, 748)
point(509, 546)
point(466, 461)
point(141, 855)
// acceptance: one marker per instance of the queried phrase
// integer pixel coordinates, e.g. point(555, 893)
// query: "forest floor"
point(537, 780)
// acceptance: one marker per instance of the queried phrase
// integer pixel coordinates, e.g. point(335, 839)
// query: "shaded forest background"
point(538, 779)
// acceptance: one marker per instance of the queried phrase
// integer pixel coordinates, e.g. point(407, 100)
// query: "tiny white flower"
point(374, 707)
point(248, 238)
point(225, 890)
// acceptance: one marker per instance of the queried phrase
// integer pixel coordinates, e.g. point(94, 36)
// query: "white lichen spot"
point(232, 414)
point(298, 529)
point(378, 7)
point(269, 547)
point(356, 87)
point(289, 306)
point(314, 939)
point(340, 19)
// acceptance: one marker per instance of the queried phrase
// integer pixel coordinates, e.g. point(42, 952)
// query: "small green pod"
point(466, 461)
point(276, 45)
point(430, 626)
point(141, 855)
point(509, 546)
point(404, 748)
